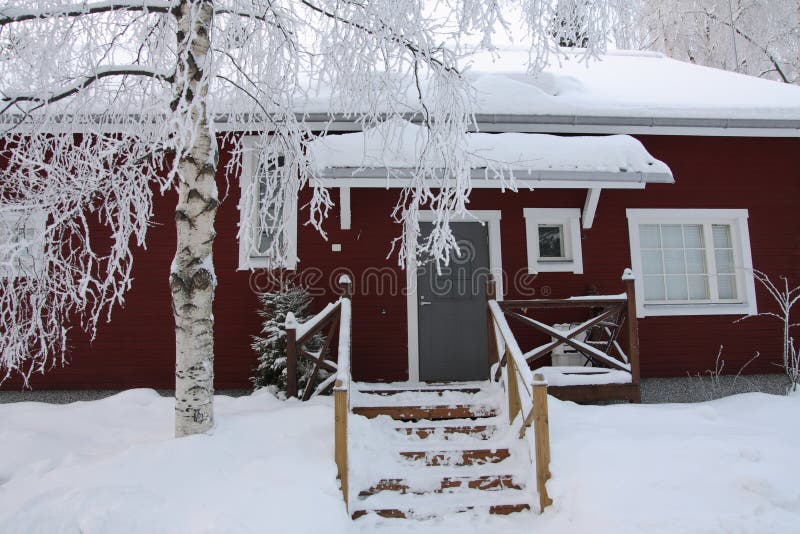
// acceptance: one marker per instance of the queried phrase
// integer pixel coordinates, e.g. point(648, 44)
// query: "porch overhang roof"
point(387, 156)
point(522, 178)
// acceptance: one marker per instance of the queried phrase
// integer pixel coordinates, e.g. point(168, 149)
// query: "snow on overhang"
point(386, 156)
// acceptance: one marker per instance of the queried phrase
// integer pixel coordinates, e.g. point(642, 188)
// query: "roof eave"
point(587, 124)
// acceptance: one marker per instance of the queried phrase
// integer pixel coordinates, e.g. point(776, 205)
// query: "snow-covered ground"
point(113, 466)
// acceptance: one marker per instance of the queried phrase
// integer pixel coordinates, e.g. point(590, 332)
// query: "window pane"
point(650, 236)
point(654, 288)
point(551, 241)
point(651, 262)
point(698, 287)
point(674, 262)
point(672, 235)
point(724, 261)
point(695, 261)
point(722, 235)
point(677, 288)
point(693, 235)
point(264, 241)
point(726, 285)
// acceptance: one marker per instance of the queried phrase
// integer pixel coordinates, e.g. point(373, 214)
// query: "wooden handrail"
point(532, 395)
point(339, 316)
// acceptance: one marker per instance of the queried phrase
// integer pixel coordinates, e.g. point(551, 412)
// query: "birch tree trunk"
point(192, 279)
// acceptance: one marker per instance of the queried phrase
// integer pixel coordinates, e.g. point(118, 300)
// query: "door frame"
point(491, 218)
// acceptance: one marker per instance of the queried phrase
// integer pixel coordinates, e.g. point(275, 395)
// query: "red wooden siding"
point(137, 348)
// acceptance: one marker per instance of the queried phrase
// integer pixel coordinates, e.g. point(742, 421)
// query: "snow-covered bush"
point(270, 346)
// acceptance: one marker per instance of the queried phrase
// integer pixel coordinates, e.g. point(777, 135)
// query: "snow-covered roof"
point(621, 91)
point(629, 84)
point(531, 157)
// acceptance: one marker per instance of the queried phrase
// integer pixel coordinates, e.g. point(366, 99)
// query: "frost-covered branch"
point(49, 97)
point(785, 297)
point(9, 15)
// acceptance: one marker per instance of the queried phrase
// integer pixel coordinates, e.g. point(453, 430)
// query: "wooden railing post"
point(491, 294)
point(291, 355)
point(340, 409)
point(633, 328)
point(347, 286)
point(514, 403)
point(541, 429)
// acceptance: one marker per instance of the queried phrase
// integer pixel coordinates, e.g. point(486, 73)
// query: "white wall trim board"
point(590, 207)
point(345, 216)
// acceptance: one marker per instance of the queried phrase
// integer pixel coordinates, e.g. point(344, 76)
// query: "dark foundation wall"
point(137, 348)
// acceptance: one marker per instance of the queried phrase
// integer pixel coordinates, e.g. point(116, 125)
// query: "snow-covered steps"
point(408, 413)
point(428, 505)
point(426, 450)
point(443, 485)
point(458, 457)
point(448, 432)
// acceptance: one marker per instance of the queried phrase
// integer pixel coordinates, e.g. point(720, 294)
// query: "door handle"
point(425, 303)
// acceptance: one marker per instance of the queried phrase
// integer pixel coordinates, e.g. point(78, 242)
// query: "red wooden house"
point(686, 175)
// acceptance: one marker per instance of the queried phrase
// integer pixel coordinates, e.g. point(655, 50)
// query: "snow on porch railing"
point(526, 394)
point(338, 315)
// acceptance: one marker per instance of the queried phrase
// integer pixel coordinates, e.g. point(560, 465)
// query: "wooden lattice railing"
point(597, 337)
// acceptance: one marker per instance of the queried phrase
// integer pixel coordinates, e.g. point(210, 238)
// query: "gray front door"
point(452, 310)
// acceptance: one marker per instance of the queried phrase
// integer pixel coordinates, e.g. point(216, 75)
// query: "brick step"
point(410, 513)
point(414, 413)
point(432, 391)
point(483, 483)
point(457, 458)
point(449, 432)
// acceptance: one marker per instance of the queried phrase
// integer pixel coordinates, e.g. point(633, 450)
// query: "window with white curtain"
point(691, 262)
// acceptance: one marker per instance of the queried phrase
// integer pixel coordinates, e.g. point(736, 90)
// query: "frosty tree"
point(755, 37)
point(104, 104)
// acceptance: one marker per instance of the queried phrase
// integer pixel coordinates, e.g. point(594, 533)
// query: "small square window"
point(554, 240)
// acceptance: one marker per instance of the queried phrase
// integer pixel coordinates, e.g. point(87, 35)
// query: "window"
point(691, 262)
point(253, 251)
point(21, 247)
point(554, 240)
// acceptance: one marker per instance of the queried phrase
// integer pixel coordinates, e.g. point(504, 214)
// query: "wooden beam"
point(590, 207)
point(344, 208)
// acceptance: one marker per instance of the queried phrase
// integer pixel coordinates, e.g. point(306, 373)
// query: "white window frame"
point(570, 220)
point(743, 260)
point(247, 260)
point(36, 219)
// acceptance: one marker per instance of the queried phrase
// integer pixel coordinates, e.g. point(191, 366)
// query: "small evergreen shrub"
point(270, 346)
